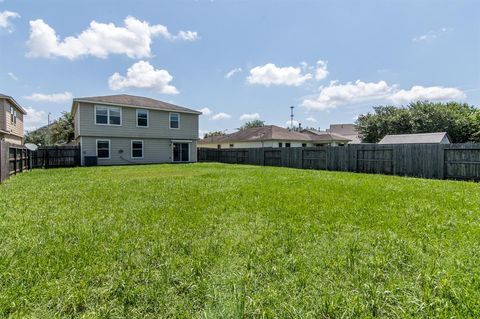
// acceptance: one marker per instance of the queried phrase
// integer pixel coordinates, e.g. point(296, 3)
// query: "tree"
point(251, 124)
point(215, 133)
point(459, 120)
point(60, 131)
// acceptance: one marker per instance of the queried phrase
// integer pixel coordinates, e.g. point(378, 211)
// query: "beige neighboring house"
point(272, 136)
point(127, 129)
point(11, 120)
point(421, 138)
point(348, 130)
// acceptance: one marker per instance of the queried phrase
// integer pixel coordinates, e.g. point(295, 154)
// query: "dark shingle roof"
point(422, 138)
point(132, 100)
point(12, 100)
point(269, 133)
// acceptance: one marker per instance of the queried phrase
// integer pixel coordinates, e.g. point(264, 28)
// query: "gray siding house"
point(11, 120)
point(126, 129)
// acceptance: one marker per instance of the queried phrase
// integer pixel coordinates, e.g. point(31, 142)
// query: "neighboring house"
point(271, 136)
point(126, 129)
point(422, 138)
point(11, 120)
point(348, 130)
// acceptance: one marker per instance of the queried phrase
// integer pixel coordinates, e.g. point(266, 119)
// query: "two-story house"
point(126, 129)
point(11, 120)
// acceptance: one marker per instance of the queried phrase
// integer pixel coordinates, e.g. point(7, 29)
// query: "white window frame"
point(148, 118)
point(170, 121)
point(108, 115)
point(109, 148)
point(131, 149)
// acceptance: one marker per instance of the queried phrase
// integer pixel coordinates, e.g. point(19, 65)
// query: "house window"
point(287, 144)
point(219, 146)
point(103, 149)
point(280, 144)
point(304, 144)
point(12, 114)
point(142, 118)
point(231, 145)
point(137, 149)
point(174, 120)
point(107, 115)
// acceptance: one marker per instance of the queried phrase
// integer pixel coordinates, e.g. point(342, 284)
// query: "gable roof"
point(12, 100)
point(133, 101)
point(270, 133)
point(421, 138)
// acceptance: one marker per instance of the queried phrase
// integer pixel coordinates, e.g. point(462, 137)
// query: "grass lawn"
point(231, 241)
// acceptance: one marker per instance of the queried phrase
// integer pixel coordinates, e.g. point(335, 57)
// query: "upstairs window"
point(12, 114)
point(280, 144)
point(174, 120)
point(142, 118)
point(107, 115)
point(287, 144)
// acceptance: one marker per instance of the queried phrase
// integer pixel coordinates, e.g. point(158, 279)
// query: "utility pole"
point(291, 116)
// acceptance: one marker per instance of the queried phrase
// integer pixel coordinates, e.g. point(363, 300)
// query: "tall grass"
point(228, 241)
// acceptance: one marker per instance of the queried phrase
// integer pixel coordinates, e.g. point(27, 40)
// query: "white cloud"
point(249, 117)
point(34, 119)
point(100, 40)
point(144, 76)
point(311, 119)
point(336, 94)
point(322, 71)
point(232, 72)
point(206, 111)
point(430, 35)
point(5, 18)
point(12, 76)
point(52, 98)
point(270, 74)
point(221, 116)
point(433, 93)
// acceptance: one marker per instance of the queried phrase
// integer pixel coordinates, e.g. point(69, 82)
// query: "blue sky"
point(332, 60)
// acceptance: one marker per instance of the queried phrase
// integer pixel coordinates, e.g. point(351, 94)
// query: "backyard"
point(236, 241)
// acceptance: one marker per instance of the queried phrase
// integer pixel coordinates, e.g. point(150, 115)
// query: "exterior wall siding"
point(159, 124)
point(155, 150)
point(17, 128)
point(3, 114)
point(256, 144)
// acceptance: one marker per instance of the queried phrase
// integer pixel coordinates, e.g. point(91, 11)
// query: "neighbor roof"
point(269, 133)
point(421, 138)
point(12, 100)
point(134, 101)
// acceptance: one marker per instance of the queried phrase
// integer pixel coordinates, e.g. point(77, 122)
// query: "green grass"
point(230, 241)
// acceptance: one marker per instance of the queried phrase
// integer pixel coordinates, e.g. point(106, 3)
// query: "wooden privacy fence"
point(453, 161)
point(16, 159)
point(13, 159)
point(56, 156)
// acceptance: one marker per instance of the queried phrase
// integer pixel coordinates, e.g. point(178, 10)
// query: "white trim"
point(108, 115)
point(131, 149)
point(181, 141)
point(148, 118)
point(79, 121)
point(109, 149)
point(170, 121)
point(137, 106)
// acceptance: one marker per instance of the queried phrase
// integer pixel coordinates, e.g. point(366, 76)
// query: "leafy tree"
point(215, 133)
point(38, 136)
point(250, 124)
point(60, 131)
point(459, 120)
